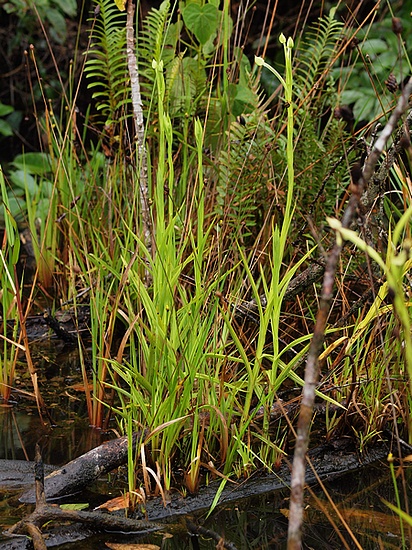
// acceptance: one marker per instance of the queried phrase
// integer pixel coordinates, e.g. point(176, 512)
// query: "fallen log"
point(45, 513)
point(84, 470)
point(329, 461)
point(18, 474)
point(326, 462)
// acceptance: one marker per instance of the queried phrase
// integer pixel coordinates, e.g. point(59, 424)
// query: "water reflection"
point(65, 434)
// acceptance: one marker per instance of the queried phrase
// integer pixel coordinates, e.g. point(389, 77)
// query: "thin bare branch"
point(360, 179)
point(139, 125)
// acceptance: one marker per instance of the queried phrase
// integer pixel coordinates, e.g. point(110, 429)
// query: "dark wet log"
point(84, 470)
point(18, 474)
point(44, 513)
point(68, 325)
point(329, 461)
point(58, 328)
point(301, 282)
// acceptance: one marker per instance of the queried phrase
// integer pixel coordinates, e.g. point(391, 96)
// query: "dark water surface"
point(350, 515)
point(254, 523)
point(261, 522)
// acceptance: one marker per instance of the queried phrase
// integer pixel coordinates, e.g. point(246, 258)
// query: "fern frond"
point(151, 46)
point(185, 85)
point(318, 147)
point(107, 66)
point(245, 170)
point(316, 52)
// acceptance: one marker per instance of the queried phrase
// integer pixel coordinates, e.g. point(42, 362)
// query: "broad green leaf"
point(5, 109)
point(69, 7)
point(5, 128)
point(24, 180)
point(173, 34)
point(10, 223)
point(42, 209)
point(17, 207)
point(33, 163)
point(242, 99)
point(202, 21)
point(58, 24)
point(121, 4)
point(76, 506)
point(374, 46)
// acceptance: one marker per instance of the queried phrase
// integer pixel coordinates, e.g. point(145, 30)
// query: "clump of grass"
point(169, 353)
point(9, 254)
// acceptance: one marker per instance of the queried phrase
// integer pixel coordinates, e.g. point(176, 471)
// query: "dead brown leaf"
point(114, 504)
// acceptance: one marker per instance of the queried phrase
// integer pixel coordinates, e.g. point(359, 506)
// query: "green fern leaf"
point(107, 66)
point(316, 53)
point(156, 41)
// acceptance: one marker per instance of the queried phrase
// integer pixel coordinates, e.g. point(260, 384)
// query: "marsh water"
point(349, 512)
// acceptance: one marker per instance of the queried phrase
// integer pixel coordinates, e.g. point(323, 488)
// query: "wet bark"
point(84, 470)
point(329, 461)
point(44, 513)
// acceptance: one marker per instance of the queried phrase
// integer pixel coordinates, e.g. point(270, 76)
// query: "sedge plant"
point(9, 254)
point(167, 355)
point(175, 330)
